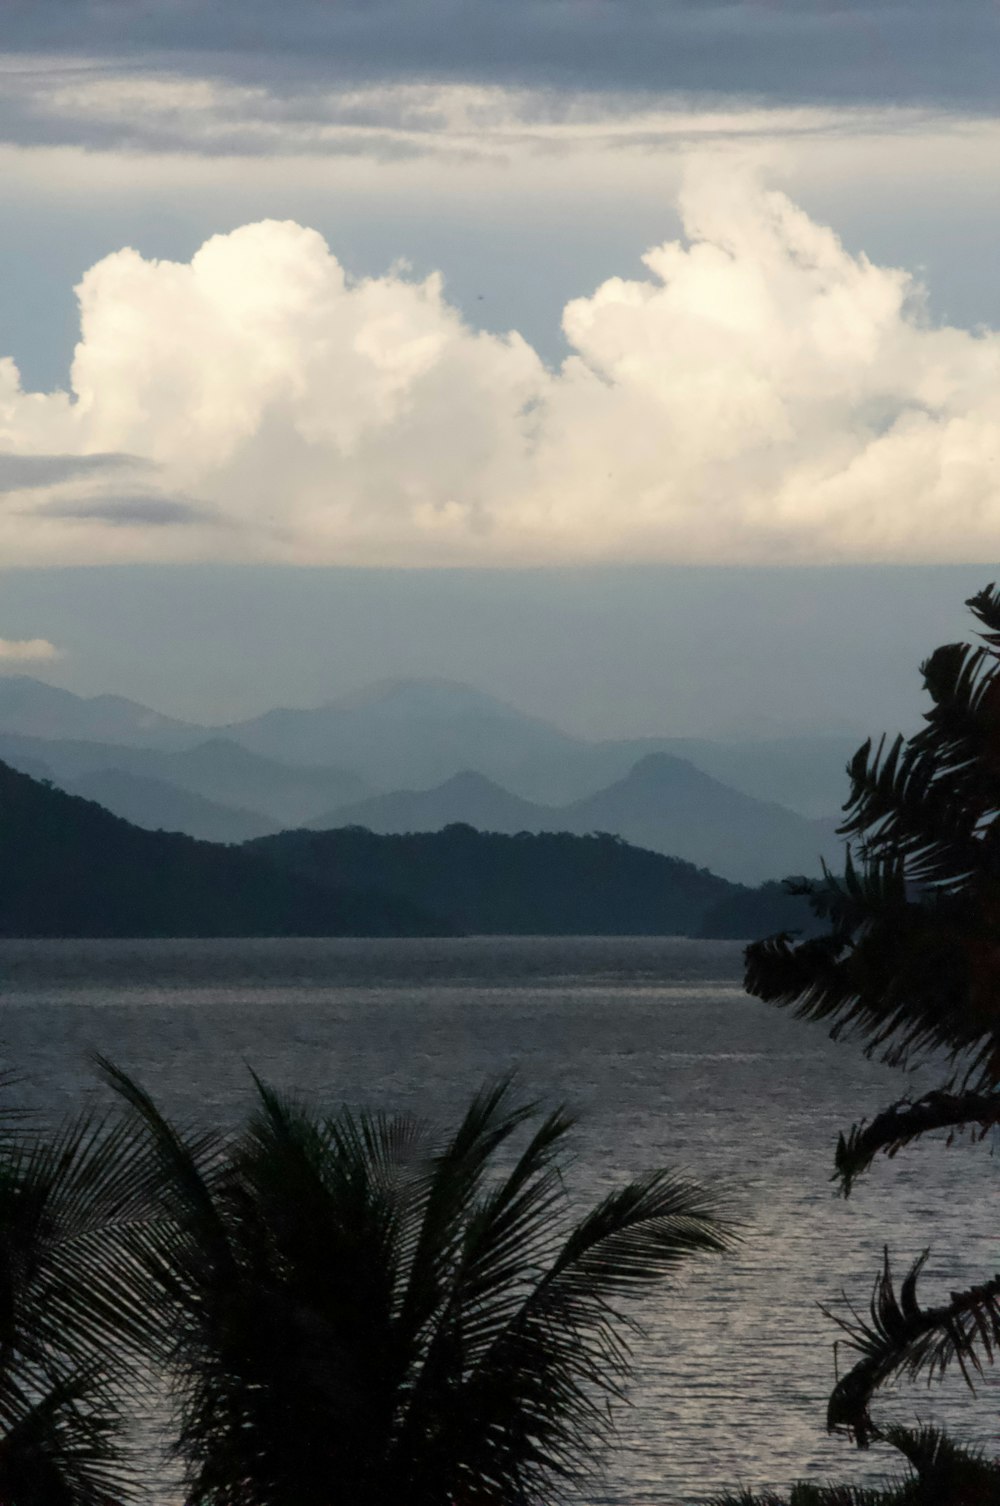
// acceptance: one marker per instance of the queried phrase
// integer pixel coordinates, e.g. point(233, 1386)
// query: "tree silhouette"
point(73, 1313)
point(358, 1311)
point(910, 965)
point(939, 1473)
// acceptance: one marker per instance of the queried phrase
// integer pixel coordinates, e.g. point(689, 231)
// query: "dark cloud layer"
point(130, 511)
point(26, 472)
point(779, 50)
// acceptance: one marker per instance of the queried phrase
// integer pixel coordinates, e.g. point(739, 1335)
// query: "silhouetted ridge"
point(750, 913)
point(70, 868)
point(550, 883)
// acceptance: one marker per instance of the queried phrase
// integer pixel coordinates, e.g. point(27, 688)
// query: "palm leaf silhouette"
point(76, 1207)
point(911, 966)
point(942, 1473)
point(355, 1307)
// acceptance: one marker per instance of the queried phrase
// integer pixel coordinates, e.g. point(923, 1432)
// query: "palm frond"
point(73, 1209)
point(910, 965)
point(459, 1168)
point(904, 805)
point(906, 1121)
point(183, 1162)
point(808, 1494)
point(356, 1308)
point(62, 1443)
point(747, 1498)
point(534, 1409)
point(943, 1473)
point(947, 1473)
point(73, 1313)
point(905, 983)
point(900, 1336)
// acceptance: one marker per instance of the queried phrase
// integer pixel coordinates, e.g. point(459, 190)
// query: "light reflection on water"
point(667, 1062)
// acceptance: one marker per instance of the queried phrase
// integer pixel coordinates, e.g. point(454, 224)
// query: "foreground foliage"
point(910, 965)
point(353, 1310)
point(940, 1472)
point(74, 1315)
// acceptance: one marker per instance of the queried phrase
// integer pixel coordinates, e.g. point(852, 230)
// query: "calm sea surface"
point(667, 1062)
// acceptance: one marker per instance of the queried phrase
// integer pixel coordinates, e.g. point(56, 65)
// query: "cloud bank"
point(110, 107)
point(26, 650)
point(801, 50)
point(759, 395)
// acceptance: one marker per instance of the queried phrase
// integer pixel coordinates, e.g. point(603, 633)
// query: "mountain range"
point(237, 793)
point(548, 883)
point(418, 755)
point(663, 803)
point(70, 868)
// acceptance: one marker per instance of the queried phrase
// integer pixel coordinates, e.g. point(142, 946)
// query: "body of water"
point(666, 1061)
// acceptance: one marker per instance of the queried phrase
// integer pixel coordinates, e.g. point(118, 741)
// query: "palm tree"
point(358, 1311)
point(940, 1472)
point(72, 1312)
point(910, 965)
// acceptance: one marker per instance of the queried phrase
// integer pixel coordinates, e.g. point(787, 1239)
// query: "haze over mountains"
point(218, 772)
point(663, 803)
point(158, 806)
point(419, 755)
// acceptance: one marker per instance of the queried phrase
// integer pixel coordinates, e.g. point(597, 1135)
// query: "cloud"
point(26, 472)
point(759, 395)
point(27, 650)
point(111, 108)
point(774, 50)
point(128, 511)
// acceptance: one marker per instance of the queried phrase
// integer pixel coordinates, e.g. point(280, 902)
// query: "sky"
point(395, 329)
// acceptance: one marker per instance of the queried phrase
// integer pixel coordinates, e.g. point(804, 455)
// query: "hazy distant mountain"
point(805, 774)
point(407, 733)
point(69, 868)
point(218, 770)
point(296, 766)
point(157, 806)
point(222, 769)
point(663, 803)
point(667, 804)
point(35, 709)
point(466, 797)
point(415, 734)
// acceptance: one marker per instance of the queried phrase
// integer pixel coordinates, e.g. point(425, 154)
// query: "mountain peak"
point(434, 696)
point(34, 708)
point(469, 782)
point(663, 768)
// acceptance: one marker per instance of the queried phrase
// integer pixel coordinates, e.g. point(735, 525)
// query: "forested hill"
point(70, 868)
point(543, 884)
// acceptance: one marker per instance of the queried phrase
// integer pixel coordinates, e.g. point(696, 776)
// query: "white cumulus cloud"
point(26, 650)
point(759, 394)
